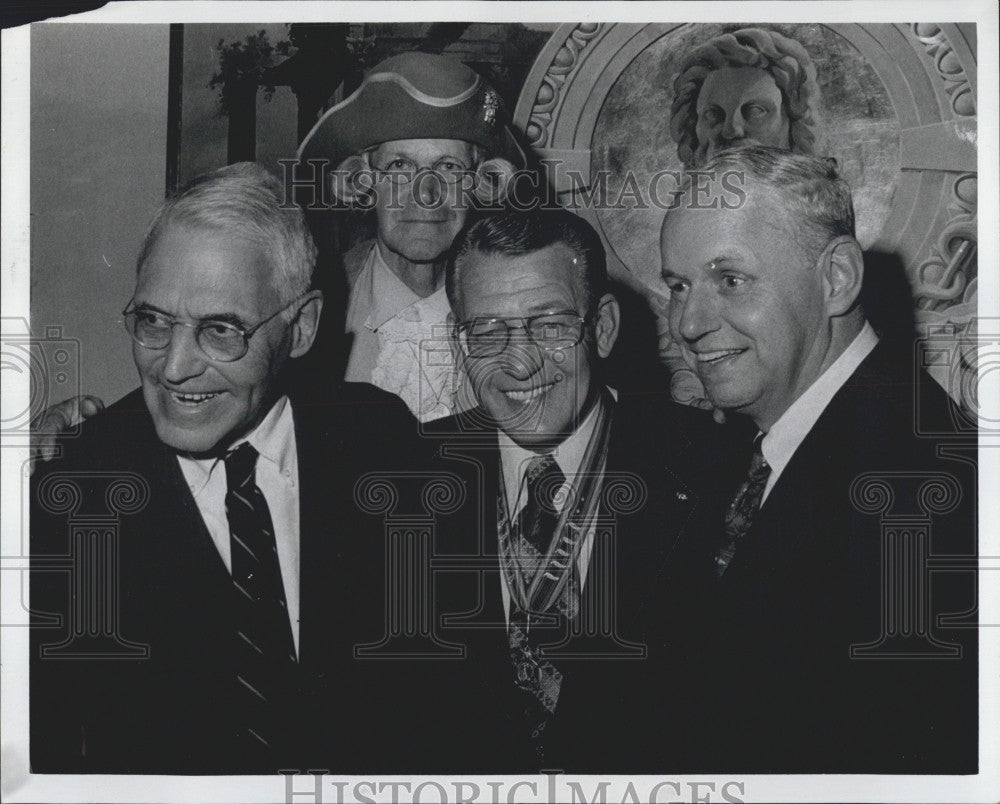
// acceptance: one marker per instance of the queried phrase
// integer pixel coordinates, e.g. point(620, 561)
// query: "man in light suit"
point(217, 636)
point(825, 644)
point(580, 505)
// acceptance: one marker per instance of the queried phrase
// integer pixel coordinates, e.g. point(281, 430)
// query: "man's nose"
point(698, 316)
point(522, 358)
point(184, 357)
point(428, 187)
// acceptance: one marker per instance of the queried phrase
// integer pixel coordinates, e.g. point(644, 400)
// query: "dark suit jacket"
point(778, 689)
point(162, 703)
point(660, 503)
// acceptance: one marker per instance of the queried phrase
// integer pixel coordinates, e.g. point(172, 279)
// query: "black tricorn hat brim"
point(383, 109)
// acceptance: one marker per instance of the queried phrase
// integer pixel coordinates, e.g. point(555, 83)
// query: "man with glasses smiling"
point(422, 130)
point(223, 341)
point(236, 599)
point(596, 499)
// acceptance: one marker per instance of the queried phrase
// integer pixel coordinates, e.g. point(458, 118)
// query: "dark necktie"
point(539, 516)
point(265, 652)
point(746, 503)
point(534, 674)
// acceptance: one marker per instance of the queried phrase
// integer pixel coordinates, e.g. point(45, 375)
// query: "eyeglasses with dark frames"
point(221, 341)
point(488, 337)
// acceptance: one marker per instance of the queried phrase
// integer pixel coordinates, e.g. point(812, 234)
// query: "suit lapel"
point(182, 543)
point(784, 518)
point(646, 539)
point(643, 540)
point(328, 542)
point(309, 562)
point(794, 510)
point(477, 446)
point(474, 453)
point(188, 517)
point(207, 625)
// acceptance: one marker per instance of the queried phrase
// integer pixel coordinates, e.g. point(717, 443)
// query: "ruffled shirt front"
point(401, 341)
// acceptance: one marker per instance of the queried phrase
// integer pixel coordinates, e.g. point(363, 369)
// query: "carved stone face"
point(737, 106)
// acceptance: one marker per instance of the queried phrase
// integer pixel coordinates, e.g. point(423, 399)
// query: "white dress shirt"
point(785, 436)
point(277, 476)
point(568, 455)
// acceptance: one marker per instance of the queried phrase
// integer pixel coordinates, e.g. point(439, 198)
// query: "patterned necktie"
point(745, 505)
point(539, 516)
point(534, 674)
point(265, 652)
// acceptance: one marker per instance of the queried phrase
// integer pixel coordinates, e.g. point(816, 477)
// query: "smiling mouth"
point(191, 400)
point(524, 397)
point(713, 358)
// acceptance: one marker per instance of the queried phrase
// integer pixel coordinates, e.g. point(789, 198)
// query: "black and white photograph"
point(500, 402)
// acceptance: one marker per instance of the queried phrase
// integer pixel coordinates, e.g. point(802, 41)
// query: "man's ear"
point(843, 270)
point(606, 326)
point(306, 323)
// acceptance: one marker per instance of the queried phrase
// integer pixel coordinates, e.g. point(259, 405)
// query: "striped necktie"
point(265, 651)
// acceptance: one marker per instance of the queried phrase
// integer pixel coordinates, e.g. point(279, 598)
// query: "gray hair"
point(247, 200)
point(810, 188)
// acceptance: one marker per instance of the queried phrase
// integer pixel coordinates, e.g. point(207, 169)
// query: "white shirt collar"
point(785, 436)
point(568, 455)
point(273, 438)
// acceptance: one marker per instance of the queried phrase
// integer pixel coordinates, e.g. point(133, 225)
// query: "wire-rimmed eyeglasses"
point(404, 171)
point(222, 341)
point(488, 337)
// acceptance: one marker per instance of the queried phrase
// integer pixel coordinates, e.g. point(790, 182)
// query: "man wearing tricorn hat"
point(422, 127)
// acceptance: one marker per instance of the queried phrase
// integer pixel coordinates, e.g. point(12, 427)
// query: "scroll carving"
point(948, 66)
point(564, 64)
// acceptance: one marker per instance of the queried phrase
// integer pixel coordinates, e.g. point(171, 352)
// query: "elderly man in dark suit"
point(824, 640)
point(582, 504)
point(217, 633)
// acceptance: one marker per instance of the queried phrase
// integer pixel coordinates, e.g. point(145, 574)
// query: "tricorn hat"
point(414, 96)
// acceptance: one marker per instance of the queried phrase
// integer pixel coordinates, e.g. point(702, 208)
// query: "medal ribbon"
point(538, 590)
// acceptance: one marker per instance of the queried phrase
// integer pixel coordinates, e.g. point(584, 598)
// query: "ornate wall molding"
point(928, 71)
point(561, 67)
point(948, 275)
point(948, 66)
